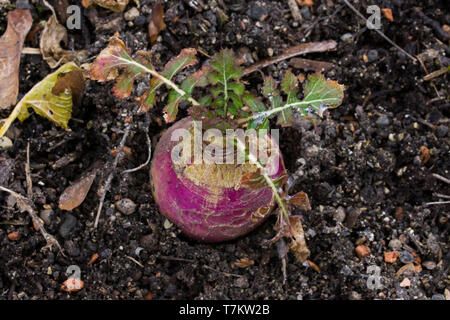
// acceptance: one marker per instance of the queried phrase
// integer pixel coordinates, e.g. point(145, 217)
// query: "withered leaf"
point(43, 100)
point(156, 24)
point(74, 195)
point(73, 81)
point(298, 243)
point(11, 43)
point(244, 262)
point(50, 45)
point(114, 5)
point(300, 200)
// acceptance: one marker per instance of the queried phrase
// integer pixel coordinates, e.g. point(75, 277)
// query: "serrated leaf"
point(270, 88)
point(225, 65)
point(110, 61)
point(124, 85)
point(253, 102)
point(205, 101)
point(322, 94)
point(237, 88)
point(289, 85)
point(197, 79)
point(51, 98)
point(171, 109)
point(285, 118)
point(185, 59)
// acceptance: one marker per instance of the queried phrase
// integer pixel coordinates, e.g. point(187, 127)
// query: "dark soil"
point(360, 165)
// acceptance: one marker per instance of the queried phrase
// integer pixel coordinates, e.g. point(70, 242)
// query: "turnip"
point(206, 201)
point(216, 201)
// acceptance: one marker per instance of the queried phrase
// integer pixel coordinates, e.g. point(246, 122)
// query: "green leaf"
point(237, 88)
point(51, 98)
point(225, 65)
point(171, 109)
point(253, 102)
point(185, 59)
point(323, 94)
point(197, 79)
point(270, 88)
point(289, 85)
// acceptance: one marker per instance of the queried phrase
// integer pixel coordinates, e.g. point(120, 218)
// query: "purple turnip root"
point(206, 201)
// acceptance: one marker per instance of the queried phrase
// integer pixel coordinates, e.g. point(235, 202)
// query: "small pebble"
point(105, 253)
point(438, 297)
point(383, 122)
point(68, 225)
point(430, 265)
point(5, 143)
point(131, 14)
point(167, 224)
point(372, 55)
point(405, 283)
point(347, 37)
point(405, 257)
point(306, 13)
point(339, 214)
point(46, 215)
point(257, 12)
point(241, 282)
point(126, 206)
point(395, 244)
point(442, 131)
point(140, 20)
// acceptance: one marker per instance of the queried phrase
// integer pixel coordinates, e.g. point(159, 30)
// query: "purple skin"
point(200, 214)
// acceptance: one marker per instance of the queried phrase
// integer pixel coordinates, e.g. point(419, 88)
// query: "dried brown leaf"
point(298, 243)
point(114, 5)
point(74, 195)
point(50, 45)
point(73, 81)
point(156, 24)
point(244, 262)
point(11, 43)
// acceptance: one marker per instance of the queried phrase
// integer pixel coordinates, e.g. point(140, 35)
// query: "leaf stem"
point(6, 123)
point(268, 179)
point(268, 113)
point(162, 78)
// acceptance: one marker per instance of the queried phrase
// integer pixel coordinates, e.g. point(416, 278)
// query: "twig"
point(167, 258)
point(24, 204)
point(292, 52)
point(149, 144)
point(379, 32)
point(28, 50)
point(224, 273)
point(111, 175)
point(51, 8)
point(295, 11)
point(135, 261)
point(440, 195)
point(437, 202)
point(307, 64)
point(439, 177)
point(28, 174)
point(435, 74)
